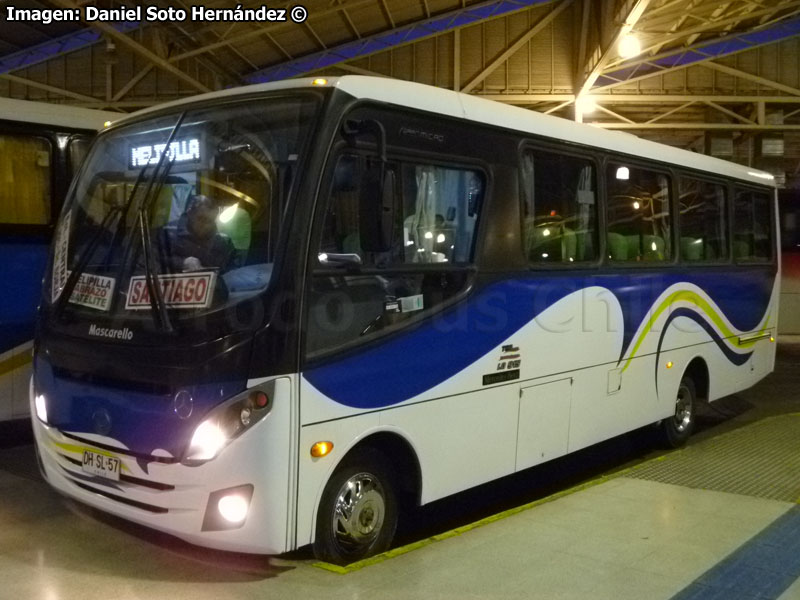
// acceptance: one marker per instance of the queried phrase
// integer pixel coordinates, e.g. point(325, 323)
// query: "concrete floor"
point(623, 538)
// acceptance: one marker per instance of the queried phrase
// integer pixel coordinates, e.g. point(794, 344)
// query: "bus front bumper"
point(194, 503)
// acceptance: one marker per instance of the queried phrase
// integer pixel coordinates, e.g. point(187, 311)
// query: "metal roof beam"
point(754, 78)
point(260, 31)
point(46, 87)
point(641, 98)
point(697, 126)
point(130, 43)
point(729, 112)
point(516, 46)
point(393, 38)
point(670, 112)
point(28, 57)
point(698, 53)
point(723, 24)
point(635, 10)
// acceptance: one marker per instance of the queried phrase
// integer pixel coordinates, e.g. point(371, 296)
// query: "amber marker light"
point(320, 81)
point(107, 124)
point(669, 365)
point(321, 449)
point(772, 338)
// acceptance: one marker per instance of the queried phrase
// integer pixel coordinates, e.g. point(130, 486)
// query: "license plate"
point(101, 465)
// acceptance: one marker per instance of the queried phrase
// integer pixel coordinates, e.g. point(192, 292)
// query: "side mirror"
point(377, 208)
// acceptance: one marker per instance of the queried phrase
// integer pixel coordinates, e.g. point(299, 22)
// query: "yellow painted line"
point(79, 450)
point(356, 566)
point(344, 570)
point(15, 362)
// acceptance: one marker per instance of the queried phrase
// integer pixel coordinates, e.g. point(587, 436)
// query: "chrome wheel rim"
point(358, 512)
point(683, 409)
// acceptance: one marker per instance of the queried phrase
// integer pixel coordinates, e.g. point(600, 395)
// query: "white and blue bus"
point(41, 146)
point(275, 315)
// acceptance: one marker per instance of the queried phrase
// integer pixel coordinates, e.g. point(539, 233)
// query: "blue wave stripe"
point(410, 363)
point(734, 357)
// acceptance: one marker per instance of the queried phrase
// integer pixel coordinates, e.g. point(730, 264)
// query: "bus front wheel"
point(357, 515)
point(677, 429)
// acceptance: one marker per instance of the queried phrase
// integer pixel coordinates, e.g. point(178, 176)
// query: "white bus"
point(275, 315)
point(41, 146)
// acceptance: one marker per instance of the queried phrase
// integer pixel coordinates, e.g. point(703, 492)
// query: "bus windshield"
point(180, 215)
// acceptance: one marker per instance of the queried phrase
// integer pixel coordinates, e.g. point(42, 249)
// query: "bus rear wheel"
point(357, 516)
point(677, 429)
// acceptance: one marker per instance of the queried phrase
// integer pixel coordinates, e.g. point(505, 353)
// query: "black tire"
point(677, 429)
point(363, 483)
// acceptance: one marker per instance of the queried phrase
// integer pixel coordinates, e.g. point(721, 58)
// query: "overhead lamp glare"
point(585, 105)
point(629, 46)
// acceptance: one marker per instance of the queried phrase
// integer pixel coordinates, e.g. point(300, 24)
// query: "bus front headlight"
point(208, 439)
point(41, 407)
point(226, 422)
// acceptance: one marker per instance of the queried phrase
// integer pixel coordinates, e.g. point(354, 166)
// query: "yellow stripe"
point(15, 362)
point(80, 450)
point(343, 570)
point(700, 303)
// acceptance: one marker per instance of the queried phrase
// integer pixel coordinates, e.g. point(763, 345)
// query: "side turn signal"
point(321, 449)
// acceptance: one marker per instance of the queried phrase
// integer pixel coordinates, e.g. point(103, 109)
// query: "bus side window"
point(435, 222)
point(25, 180)
point(560, 211)
point(639, 223)
point(703, 221)
point(752, 226)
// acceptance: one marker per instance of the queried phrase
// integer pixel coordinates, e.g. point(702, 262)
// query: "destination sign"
point(93, 291)
point(185, 290)
point(180, 151)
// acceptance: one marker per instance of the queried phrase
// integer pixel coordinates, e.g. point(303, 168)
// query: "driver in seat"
point(196, 244)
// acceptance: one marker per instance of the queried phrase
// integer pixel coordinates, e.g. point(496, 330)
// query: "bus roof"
point(480, 110)
point(54, 114)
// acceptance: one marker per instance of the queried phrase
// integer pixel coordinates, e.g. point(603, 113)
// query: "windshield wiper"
point(83, 261)
point(159, 309)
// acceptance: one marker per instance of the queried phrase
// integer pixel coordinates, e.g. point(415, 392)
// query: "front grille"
point(126, 385)
point(141, 505)
point(136, 455)
point(153, 485)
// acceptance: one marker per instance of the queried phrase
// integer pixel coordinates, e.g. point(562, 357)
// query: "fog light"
point(41, 408)
point(233, 508)
point(227, 509)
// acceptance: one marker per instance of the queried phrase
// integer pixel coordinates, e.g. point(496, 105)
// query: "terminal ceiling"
point(715, 77)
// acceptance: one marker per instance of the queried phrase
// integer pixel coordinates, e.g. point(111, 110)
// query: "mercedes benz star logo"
point(102, 421)
point(183, 404)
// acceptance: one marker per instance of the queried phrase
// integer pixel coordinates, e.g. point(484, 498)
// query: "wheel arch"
point(398, 450)
point(697, 370)
point(402, 457)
